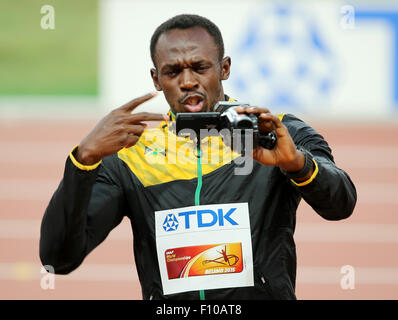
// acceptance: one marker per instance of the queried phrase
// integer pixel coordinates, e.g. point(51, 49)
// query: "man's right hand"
point(119, 129)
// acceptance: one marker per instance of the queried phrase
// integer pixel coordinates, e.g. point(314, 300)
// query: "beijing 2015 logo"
point(170, 223)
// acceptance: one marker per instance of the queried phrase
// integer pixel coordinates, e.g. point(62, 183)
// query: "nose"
point(188, 80)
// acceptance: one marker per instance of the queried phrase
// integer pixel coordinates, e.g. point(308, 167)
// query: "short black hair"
point(186, 21)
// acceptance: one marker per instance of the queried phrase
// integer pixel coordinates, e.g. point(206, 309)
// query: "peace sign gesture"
point(119, 129)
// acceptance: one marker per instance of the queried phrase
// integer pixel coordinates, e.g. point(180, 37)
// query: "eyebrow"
point(175, 65)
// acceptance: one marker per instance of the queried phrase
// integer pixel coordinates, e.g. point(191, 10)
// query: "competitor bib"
point(204, 247)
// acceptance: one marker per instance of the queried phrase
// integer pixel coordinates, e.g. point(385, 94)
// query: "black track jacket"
point(92, 200)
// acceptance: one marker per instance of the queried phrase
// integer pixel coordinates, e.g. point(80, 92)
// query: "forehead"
point(179, 45)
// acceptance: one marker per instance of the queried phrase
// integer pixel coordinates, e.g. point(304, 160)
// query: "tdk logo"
point(200, 218)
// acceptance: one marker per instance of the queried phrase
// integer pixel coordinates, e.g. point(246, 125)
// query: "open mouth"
point(193, 103)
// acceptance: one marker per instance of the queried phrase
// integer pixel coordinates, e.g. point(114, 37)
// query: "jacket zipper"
point(199, 172)
point(197, 196)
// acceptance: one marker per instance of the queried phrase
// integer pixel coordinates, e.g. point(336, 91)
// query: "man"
point(200, 231)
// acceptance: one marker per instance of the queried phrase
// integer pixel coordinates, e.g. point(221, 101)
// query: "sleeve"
point(329, 191)
point(87, 205)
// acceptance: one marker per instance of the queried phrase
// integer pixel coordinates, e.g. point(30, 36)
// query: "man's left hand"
point(284, 154)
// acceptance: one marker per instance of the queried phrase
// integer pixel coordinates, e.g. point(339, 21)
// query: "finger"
point(241, 109)
point(251, 109)
point(131, 105)
point(265, 125)
point(147, 116)
point(133, 134)
point(136, 130)
point(269, 116)
point(264, 156)
point(131, 140)
point(277, 124)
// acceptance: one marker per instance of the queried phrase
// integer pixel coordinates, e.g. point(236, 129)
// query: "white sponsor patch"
point(204, 247)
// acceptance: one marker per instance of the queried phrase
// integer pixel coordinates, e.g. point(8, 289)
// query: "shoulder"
point(295, 124)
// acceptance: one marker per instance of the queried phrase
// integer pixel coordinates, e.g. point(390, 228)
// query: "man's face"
point(188, 70)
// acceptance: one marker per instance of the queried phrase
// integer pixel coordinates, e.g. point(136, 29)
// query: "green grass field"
point(62, 61)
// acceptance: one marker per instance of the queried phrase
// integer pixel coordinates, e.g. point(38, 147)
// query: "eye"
point(201, 68)
point(170, 73)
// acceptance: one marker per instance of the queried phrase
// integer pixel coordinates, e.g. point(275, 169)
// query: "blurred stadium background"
point(335, 64)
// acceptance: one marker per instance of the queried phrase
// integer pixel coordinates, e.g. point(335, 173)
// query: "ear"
point(155, 79)
point(225, 68)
